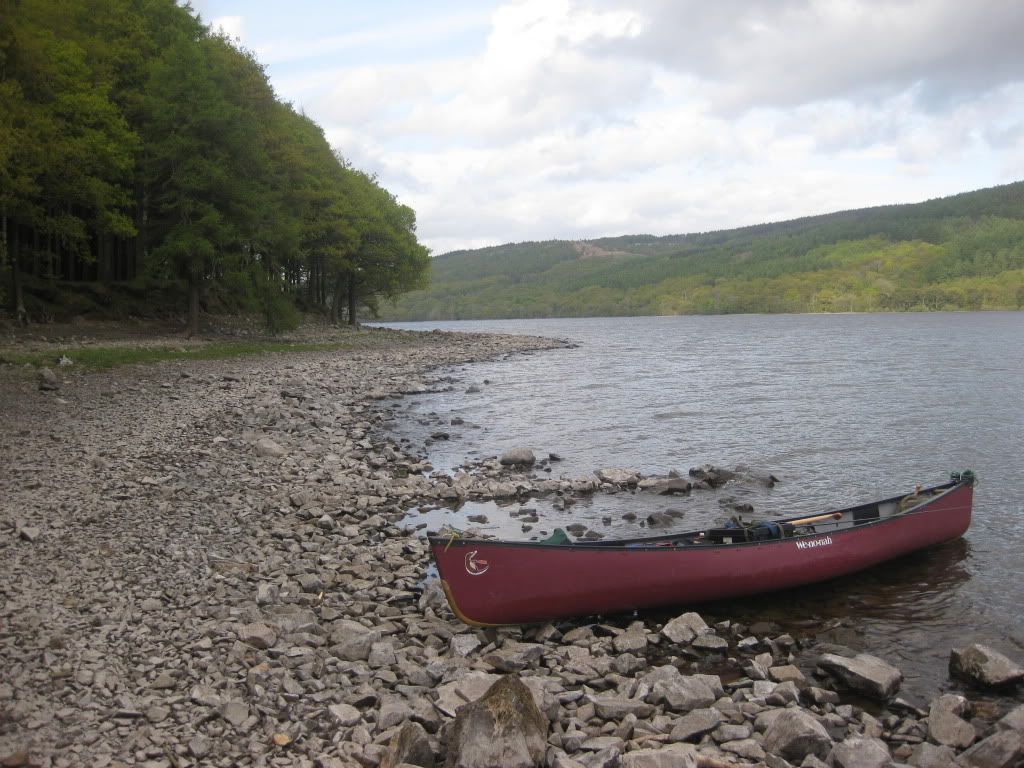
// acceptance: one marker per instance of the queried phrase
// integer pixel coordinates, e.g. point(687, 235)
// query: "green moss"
point(101, 357)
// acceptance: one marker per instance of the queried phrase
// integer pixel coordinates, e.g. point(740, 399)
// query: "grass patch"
point(102, 358)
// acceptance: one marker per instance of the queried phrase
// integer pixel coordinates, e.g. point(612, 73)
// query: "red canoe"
point(491, 582)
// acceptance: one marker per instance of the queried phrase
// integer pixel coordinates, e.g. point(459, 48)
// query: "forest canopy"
point(964, 252)
point(146, 164)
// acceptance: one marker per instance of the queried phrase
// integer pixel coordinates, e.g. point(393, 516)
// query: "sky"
point(576, 119)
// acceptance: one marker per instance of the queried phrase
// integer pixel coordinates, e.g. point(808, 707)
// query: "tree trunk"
point(17, 296)
point(339, 287)
point(193, 302)
point(352, 300)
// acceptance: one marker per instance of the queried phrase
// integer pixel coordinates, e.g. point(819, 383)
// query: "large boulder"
point(945, 726)
point(409, 746)
point(865, 674)
point(794, 735)
point(504, 727)
point(1003, 749)
point(984, 665)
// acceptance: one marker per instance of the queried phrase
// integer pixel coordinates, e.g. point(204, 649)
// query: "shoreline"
point(202, 558)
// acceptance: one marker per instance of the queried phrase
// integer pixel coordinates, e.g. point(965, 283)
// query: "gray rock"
point(683, 629)
point(671, 756)
point(235, 712)
point(514, 656)
point(504, 727)
point(518, 457)
point(1013, 720)
point(258, 635)
point(712, 643)
point(463, 645)
point(199, 746)
point(48, 381)
point(795, 734)
point(633, 640)
point(696, 723)
point(1003, 749)
point(151, 604)
point(945, 726)
point(748, 748)
point(864, 673)
point(29, 533)
point(860, 752)
point(269, 449)
point(681, 693)
point(617, 707)
point(926, 755)
point(618, 476)
point(672, 486)
point(409, 746)
point(984, 665)
point(344, 715)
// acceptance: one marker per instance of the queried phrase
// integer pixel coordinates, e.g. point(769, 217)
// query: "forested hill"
point(959, 252)
point(147, 165)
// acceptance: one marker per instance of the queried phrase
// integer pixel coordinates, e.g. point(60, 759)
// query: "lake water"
point(841, 408)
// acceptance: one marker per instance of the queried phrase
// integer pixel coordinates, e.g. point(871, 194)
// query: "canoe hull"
point(493, 582)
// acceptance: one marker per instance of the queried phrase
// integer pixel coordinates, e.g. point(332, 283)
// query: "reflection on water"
point(843, 408)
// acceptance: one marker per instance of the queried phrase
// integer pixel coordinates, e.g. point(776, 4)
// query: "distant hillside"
point(959, 252)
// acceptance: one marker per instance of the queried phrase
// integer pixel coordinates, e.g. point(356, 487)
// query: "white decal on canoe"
point(814, 543)
point(475, 566)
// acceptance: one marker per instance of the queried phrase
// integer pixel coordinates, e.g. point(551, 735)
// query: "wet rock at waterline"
point(518, 457)
point(985, 666)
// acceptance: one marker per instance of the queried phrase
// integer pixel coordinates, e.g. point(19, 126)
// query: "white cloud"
point(582, 119)
point(232, 26)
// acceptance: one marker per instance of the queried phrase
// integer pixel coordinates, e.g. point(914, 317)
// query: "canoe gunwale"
point(656, 543)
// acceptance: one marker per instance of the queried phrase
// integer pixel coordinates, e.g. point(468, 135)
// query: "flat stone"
point(860, 752)
point(617, 707)
point(864, 673)
point(696, 723)
point(712, 643)
point(344, 715)
point(258, 635)
point(670, 756)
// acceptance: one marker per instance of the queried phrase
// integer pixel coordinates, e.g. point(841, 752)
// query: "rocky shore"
point(201, 564)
